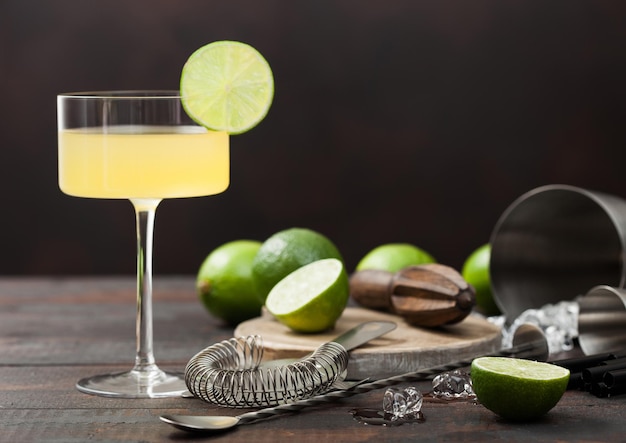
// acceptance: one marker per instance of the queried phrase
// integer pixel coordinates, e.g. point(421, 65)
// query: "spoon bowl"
point(197, 423)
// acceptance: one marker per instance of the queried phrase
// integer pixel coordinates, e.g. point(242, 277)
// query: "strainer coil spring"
point(229, 373)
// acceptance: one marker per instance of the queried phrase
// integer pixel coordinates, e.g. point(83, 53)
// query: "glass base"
point(135, 384)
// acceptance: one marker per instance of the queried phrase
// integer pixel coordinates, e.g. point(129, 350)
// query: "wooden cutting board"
point(407, 348)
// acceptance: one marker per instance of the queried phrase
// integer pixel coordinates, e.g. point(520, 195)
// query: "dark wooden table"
point(54, 331)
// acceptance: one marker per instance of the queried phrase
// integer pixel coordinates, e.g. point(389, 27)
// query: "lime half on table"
point(227, 86)
point(516, 389)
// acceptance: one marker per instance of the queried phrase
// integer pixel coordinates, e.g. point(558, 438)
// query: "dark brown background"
point(402, 120)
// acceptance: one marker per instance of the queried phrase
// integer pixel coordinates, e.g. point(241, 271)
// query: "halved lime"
point(312, 297)
point(518, 389)
point(227, 86)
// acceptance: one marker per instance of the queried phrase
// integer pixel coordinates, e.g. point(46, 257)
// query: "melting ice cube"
point(402, 403)
point(453, 384)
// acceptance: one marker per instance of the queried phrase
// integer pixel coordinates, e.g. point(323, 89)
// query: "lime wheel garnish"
point(227, 86)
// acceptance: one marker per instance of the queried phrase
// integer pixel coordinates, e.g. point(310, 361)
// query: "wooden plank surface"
point(92, 321)
point(55, 331)
point(40, 412)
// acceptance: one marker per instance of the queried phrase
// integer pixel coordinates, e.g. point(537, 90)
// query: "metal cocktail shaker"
point(555, 243)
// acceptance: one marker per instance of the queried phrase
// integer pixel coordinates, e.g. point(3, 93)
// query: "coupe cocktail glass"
point(141, 146)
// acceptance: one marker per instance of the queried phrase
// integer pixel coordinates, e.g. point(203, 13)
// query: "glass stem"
point(145, 210)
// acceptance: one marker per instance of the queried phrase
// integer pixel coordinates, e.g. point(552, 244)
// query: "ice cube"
point(402, 403)
point(453, 384)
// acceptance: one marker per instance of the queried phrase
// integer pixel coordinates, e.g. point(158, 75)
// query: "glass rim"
point(132, 94)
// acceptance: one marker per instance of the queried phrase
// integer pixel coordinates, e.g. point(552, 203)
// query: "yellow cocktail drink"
point(152, 162)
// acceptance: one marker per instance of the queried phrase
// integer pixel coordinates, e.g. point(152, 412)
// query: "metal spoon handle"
point(422, 374)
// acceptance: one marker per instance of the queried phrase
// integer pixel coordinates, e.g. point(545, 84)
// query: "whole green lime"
point(225, 283)
point(517, 389)
point(392, 257)
point(476, 272)
point(286, 251)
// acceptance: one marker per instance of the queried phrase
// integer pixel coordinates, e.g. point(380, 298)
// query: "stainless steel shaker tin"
point(554, 243)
